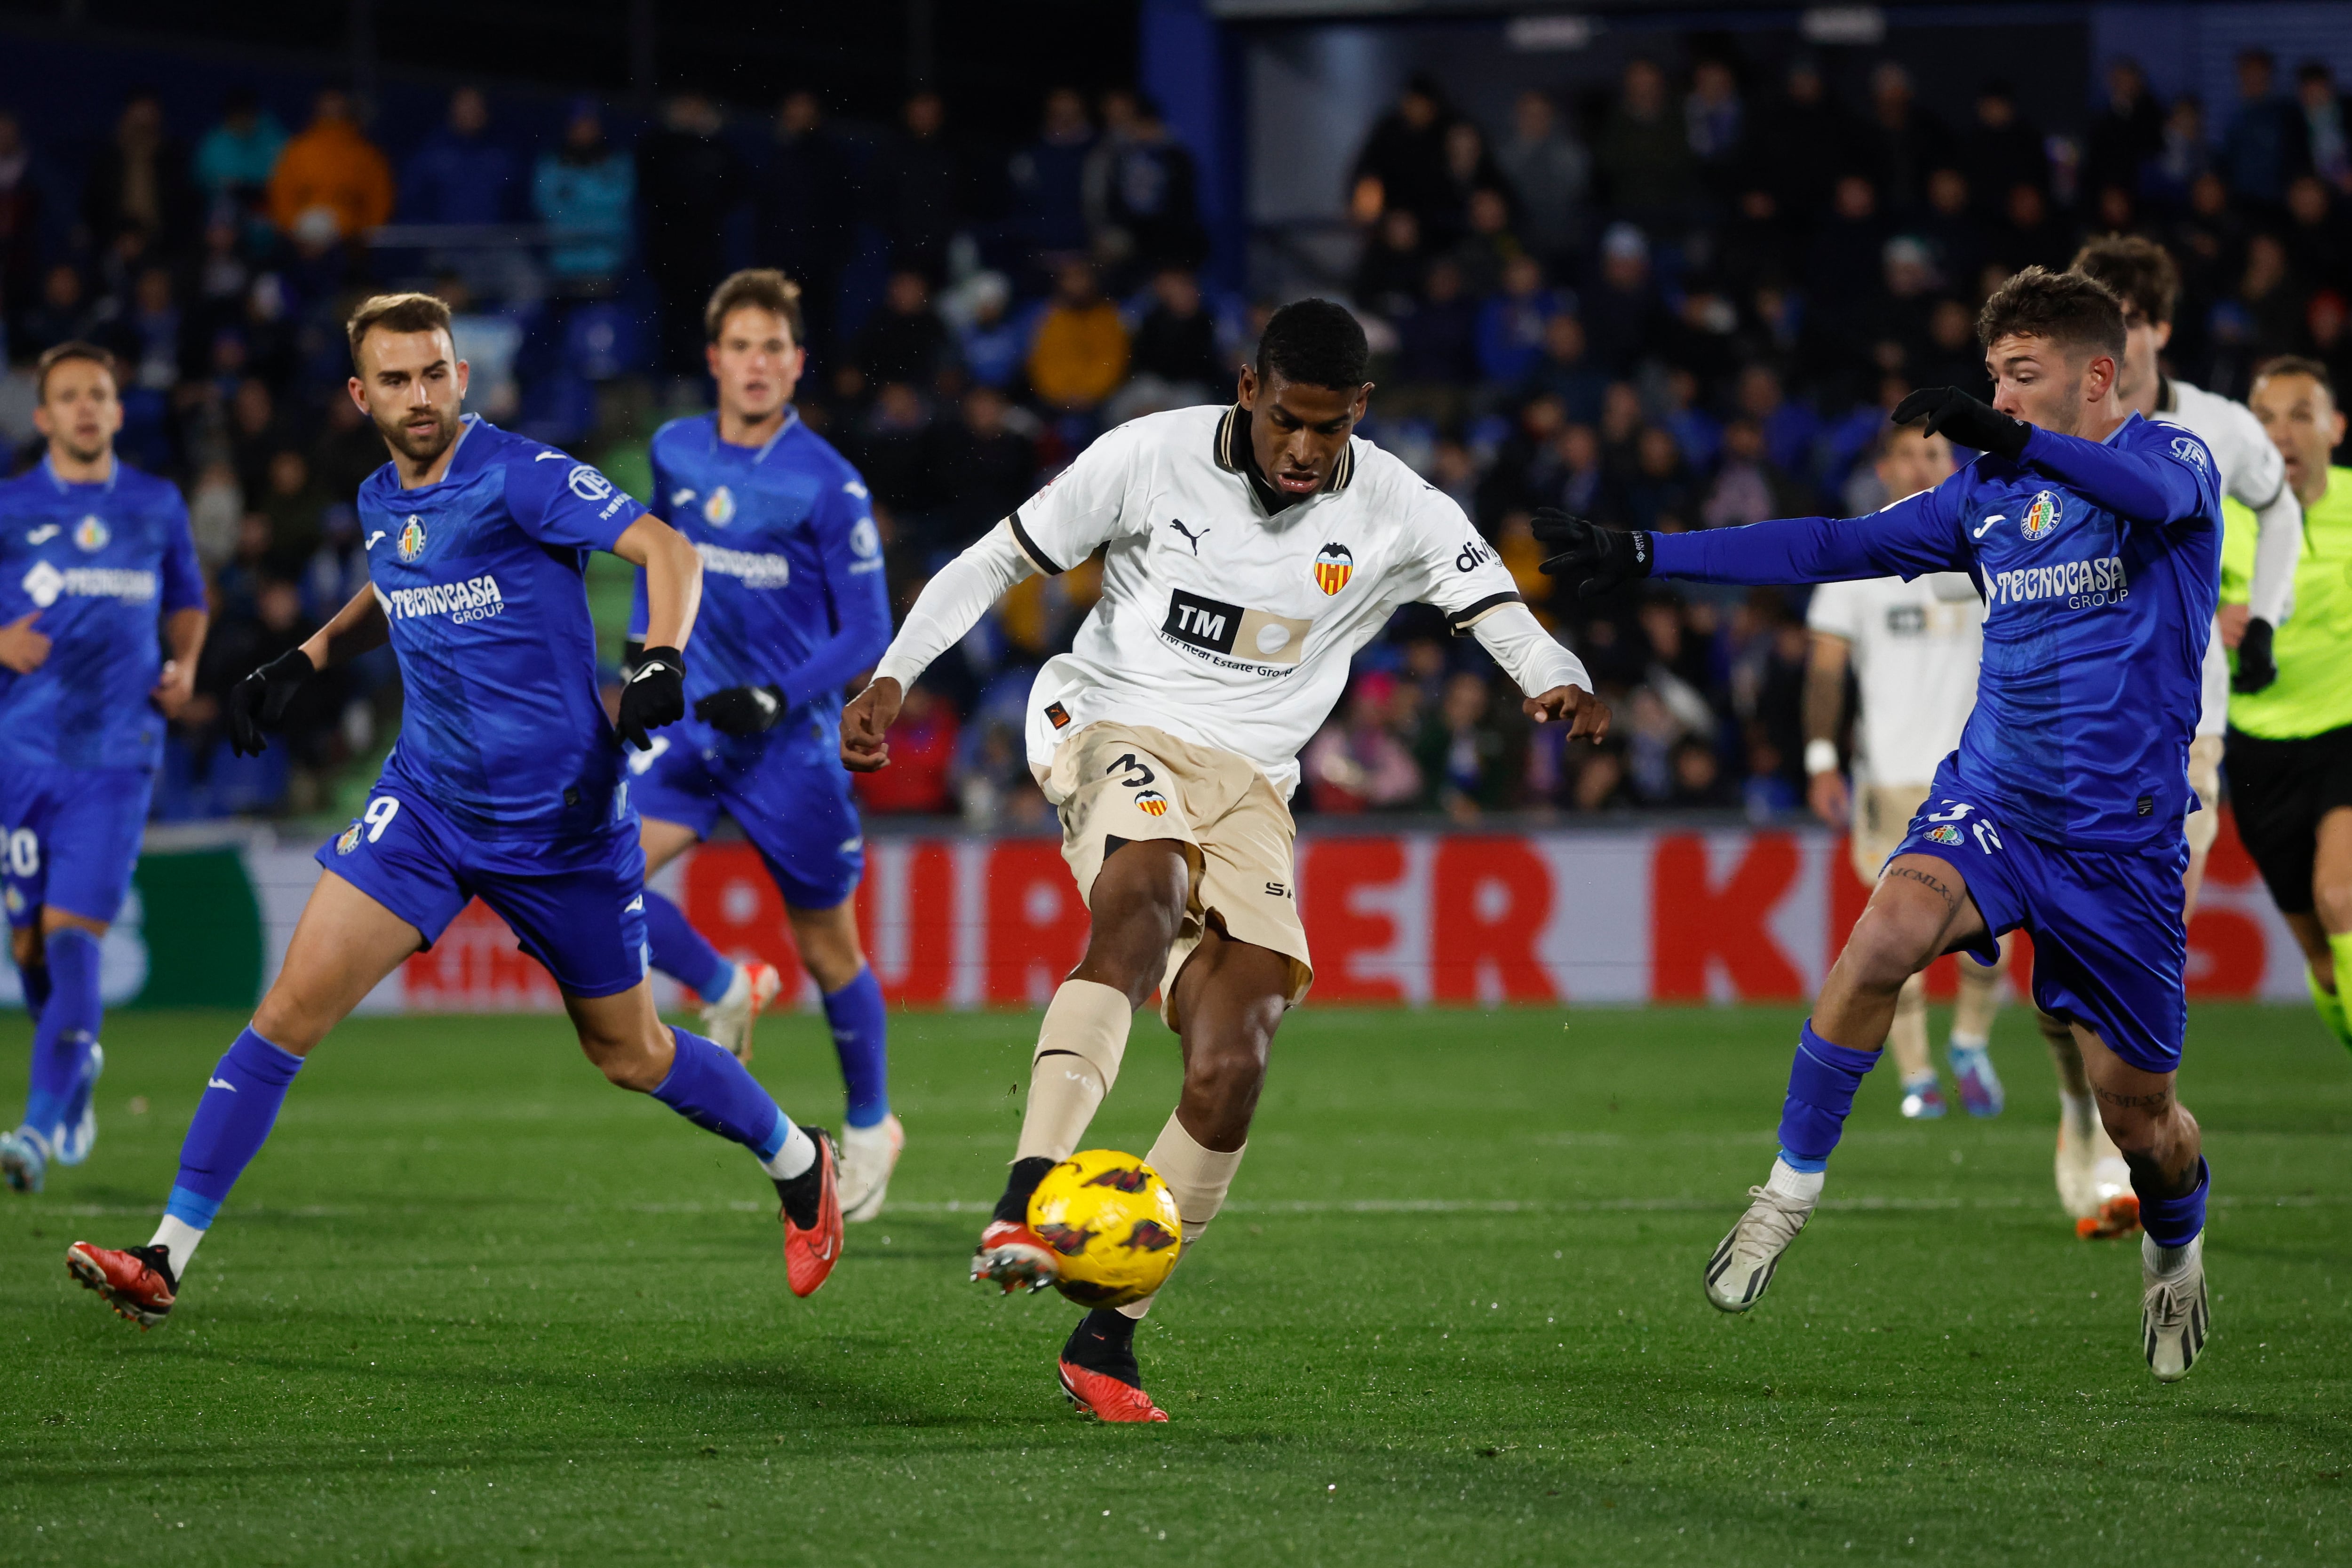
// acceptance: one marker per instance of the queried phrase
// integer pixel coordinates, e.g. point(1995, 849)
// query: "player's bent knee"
point(2331, 900)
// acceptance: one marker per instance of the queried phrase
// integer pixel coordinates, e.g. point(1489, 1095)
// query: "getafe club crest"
point(1334, 564)
point(1947, 833)
point(91, 534)
point(2042, 516)
point(718, 508)
point(348, 839)
point(411, 543)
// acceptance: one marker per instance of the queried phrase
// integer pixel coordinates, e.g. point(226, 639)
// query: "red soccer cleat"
point(809, 1254)
point(1013, 1256)
point(1105, 1398)
point(136, 1281)
point(2116, 1218)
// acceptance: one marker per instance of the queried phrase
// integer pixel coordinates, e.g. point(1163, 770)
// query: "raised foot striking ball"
point(1112, 1223)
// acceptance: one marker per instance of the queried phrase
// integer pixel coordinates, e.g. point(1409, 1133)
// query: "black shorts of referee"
point(2279, 791)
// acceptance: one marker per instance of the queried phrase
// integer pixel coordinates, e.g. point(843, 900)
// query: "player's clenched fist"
point(259, 702)
point(655, 696)
point(865, 726)
point(1586, 715)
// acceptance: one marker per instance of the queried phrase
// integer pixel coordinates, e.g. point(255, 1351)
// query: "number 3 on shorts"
point(379, 815)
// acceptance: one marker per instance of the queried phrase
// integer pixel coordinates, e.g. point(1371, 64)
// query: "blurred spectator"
point(1625, 317)
point(894, 455)
point(2002, 150)
point(295, 508)
point(1698, 783)
point(1153, 200)
point(1907, 142)
point(62, 312)
point(1403, 164)
point(139, 179)
point(1469, 764)
point(1359, 763)
point(1749, 487)
point(989, 344)
point(905, 341)
point(689, 178)
point(915, 188)
point(1080, 353)
point(804, 211)
point(1550, 172)
point(347, 450)
point(215, 506)
point(1437, 341)
point(331, 176)
point(2185, 155)
point(2326, 125)
point(2029, 233)
point(1954, 234)
point(235, 159)
point(1566, 371)
point(1176, 341)
point(1487, 244)
point(1643, 156)
point(20, 218)
point(462, 174)
point(2128, 133)
point(1389, 275)
point(1658, 491)
point(1800, 140)
point(2263, 141)
point(1715, 121)
point(922, 753)
point(586, 189)
point(1470, 167)
point(993, 464)
point(2318, 249)
point(1510, 336)
point(1048, 177)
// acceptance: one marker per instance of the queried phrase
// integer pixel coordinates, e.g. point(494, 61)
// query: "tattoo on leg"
point(2155, 1101)
point(1912, 873)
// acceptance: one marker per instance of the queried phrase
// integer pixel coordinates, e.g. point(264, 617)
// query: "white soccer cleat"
point(728, 1020)
point(2077, 1164)
point(2173, 1317)
point(72, 1141)
point(24, 1159)
point(1741, 1268)
point(868, 1155)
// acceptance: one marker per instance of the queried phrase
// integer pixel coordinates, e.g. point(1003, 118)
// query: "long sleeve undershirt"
point(2278, 545)
point(953, 601)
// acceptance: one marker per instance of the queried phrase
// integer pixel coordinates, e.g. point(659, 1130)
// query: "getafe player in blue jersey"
point(91, 552)
point(2095, 539)
point(506, 783)
point(793, 605)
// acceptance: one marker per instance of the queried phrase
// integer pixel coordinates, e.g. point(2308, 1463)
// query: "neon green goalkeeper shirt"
point(2312, 693)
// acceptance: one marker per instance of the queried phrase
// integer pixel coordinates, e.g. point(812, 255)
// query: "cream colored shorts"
point(1127, 783)
point(1882, 815)
point(2205, 778)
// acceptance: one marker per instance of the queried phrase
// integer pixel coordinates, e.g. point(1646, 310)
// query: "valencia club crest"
point(1334, 564)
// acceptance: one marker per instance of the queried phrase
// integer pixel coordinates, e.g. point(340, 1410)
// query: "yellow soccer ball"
point(1112, 1223)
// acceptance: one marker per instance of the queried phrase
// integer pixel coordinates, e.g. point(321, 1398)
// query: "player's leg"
point(1973, 1011)
point(1921, 908)
point(92, 850)
point(1881, 813)
point(678, 805)
point(2161, 1143)
point(1907, 1037)
point(2204, 825)
point(343, 946)
point(2093, 1182)
point(2325, 934)
point(860, 1019)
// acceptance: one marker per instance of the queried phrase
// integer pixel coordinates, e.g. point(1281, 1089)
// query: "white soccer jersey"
point(2252, 472)
point(1914, 646)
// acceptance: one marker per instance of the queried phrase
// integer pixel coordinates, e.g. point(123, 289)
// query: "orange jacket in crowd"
point(331, 165)
point(1079, 357)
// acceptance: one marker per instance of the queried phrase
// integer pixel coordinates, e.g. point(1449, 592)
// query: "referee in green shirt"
point(2289, 744)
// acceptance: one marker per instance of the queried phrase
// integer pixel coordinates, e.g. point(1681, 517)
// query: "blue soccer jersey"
point(98, 565)
point(2100, 566)
point(481, 578)
point(793, 591)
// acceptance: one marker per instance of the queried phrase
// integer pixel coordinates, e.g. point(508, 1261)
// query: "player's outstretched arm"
point(1554, 680)
point(259, 702)
point(950, 605)
point(2143, 486)
point(1911, 537)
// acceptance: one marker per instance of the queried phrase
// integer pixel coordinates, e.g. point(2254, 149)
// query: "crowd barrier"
point(1634, 915)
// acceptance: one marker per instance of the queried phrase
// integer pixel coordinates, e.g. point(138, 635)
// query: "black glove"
point(742, 710)
point(1594, 558)
point(259, 702)
point(654, 696)
point(1953, 414)
point(2256, 668)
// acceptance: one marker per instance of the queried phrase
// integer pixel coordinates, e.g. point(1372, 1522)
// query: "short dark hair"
point(2285, 365)
point(760, 288)
point(1314, 343)
point(2136, 269)
point(76, 349)
point(396, 313)
point(2070, 309)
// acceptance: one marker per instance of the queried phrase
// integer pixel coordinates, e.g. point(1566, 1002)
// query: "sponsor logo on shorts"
point(2084, 584)
point(411, 542)
point(749, 567)
point(1151, 803)
point(1334, 564)
point(719, 507)
point(1944, 832)
point(91, 534)
point(44, 585)
point(1058, 715)
point(474, 599)
point(348, 839)
point(2042, 517)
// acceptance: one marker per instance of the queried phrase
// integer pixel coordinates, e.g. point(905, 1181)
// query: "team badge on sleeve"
point(1946, 833)
point(1151, 803)
point(2189, 450)
point(348, 839)
point(1334, 564)
point(411, 542)
point(91, 534)
point(2042, 516)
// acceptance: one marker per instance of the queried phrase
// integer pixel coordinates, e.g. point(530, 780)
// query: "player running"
point(505, 784)
point(1914, 648)
point(1249, 552)
point(92, 553)
point(2096, 536)
point(793, 607)
point(2291, 741)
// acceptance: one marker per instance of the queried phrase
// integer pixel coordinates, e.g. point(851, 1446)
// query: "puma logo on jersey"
point(43, 535)
point(1190, 537)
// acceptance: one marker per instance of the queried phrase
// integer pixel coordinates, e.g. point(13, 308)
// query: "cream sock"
point(1079, 1046)
point(1198, 1178)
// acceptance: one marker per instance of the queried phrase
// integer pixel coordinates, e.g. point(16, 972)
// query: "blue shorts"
point(72, 837)
point(2110, 948)
point(576, 904)
point(790, 797)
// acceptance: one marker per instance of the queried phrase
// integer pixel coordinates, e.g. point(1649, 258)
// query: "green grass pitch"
point(471, 1306)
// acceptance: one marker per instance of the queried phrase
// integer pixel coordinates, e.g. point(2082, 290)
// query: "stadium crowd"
point(1685, 302)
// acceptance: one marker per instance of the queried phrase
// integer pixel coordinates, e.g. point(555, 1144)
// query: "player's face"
point(2304, 424)
point(2044, 384)
point(1298, 431)
point(1914, 461)
point(755, 362)
point(80, 411)
point(2144, 341)
point(413, 385)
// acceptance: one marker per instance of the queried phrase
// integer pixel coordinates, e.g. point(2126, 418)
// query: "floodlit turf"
point(472, 1306)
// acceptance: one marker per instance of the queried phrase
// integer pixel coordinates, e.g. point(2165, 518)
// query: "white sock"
point(1787, 1182)
point(1969, 1042)
point(796, 1156)
point(1925, 1080)
point(738, 990)
point(2167, 1261)
point(2076, 1110)
point(178, 1238)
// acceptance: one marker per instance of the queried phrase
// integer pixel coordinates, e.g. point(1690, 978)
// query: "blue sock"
point(683, 952)
point(710, 1088)
point(36, 982)
point(67, 1029)
point(1821, 1081)
point(861, 1039)
point(232, 1120)
point(2174, 1222)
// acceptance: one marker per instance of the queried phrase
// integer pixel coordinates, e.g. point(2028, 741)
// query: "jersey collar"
point(792, 418)
point(1232, 451)
point(65, 485)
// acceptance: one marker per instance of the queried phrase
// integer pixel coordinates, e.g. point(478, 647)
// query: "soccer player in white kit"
point(2093, 1181)
point(1249, 552)
point(1914, 648)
